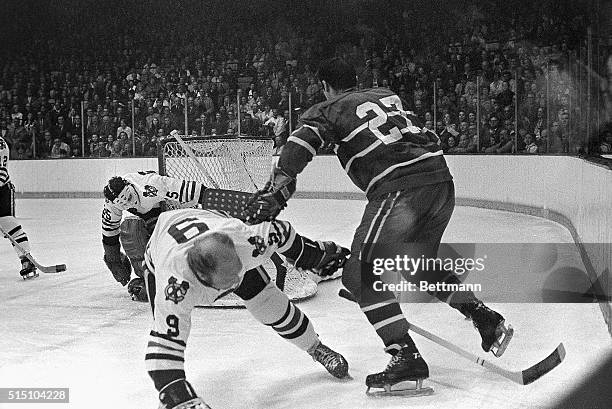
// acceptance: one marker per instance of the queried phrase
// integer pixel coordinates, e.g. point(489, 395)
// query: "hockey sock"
point(13, 228)
point(405, 342)
point(388, 320)
point(272, 308)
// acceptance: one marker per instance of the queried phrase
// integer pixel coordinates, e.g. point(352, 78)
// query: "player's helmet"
point(114, 187)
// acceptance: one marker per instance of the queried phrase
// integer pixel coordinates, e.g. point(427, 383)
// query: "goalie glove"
point(179, 394)
point(118, 263)
point(268, 202)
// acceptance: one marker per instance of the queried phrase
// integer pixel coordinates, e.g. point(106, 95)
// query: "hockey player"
point(195, 257)
point(141, 195)
point(8, 222)
point(400, 167)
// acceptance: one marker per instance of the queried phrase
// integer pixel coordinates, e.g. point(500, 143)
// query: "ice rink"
point(79, 329)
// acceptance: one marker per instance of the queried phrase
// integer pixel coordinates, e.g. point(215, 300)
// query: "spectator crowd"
point(487, 78)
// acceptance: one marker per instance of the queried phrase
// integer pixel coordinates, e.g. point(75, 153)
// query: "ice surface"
point(79, 329)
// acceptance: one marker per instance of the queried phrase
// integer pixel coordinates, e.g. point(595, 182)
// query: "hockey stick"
point(195, 160)
point(524, 377)
point(45, 269)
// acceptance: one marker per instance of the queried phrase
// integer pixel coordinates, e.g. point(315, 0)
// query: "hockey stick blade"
point(543, 367)
point(524, 377)
point(45, 269)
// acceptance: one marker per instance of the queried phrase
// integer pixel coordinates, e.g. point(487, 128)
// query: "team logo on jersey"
point(150, 191)
point(259, 243)
point(176, 292)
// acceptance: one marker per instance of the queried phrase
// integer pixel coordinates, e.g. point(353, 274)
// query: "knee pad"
point(134, 238)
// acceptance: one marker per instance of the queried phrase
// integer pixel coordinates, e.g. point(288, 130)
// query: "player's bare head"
point(214, 261)
point(121, 193)
point(336, 76)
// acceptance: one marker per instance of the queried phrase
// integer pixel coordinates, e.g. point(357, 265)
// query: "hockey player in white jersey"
point(8, 222)
point(140, 195)
point(195, 257)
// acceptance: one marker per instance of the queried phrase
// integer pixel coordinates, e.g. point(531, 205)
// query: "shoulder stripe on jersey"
point(182, 190)
point(304, 144)
point(355, 131)
point(167, 338)
point(315, 130)
point(164, 356)
point(399, 165)
point(193, 189)
point(362, 153)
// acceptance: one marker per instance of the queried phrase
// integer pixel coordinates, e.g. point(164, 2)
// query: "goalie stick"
point(45, 269)
point(524, 377)
point(195, 160)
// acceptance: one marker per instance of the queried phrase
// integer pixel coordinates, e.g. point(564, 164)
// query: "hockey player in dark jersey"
point(401, 168)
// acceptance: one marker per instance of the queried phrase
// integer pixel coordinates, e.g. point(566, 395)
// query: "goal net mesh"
point(237, 164)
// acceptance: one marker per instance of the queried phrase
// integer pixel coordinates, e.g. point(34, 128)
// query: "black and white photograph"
point(266, 204)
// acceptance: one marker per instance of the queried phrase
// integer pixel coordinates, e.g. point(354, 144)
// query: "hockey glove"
point(117, 263)
point(179, 394)
point(334, 258)
point(268, 202)
point(323, 258)
point(137, 290)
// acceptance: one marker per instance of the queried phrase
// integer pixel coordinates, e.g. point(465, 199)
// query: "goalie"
point(139, 194)
point(195, 257)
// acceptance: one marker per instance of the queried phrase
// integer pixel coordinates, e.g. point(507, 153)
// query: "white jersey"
point(173, 288)
point(153, 189)
point(4, 157)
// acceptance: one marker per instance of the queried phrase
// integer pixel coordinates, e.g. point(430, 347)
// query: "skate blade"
point(406, 389)
point(30, 276)
point(499, 347)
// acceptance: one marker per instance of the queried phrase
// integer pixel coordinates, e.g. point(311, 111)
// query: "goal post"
point(234, 163)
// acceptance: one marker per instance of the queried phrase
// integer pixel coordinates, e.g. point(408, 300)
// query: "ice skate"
point(330, 359)
point(28, 269)
point(403, 376)
point(491, 326)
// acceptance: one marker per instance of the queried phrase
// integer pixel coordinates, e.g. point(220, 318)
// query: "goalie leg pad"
point(272, 308)
point(134, 237)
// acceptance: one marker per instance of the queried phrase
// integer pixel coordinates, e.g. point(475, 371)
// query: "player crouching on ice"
point(195, 257)
point(140, 195)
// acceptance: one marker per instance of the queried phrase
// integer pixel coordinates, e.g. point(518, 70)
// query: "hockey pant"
point(134, 238)
point(402, 223)
point(272, 307)
point(9, 223)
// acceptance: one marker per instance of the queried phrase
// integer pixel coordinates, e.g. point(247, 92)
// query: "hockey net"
point(237, 164)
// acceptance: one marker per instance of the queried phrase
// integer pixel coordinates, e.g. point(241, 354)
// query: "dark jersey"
point(381, 147)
